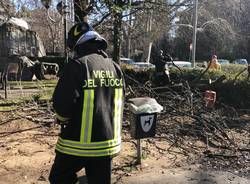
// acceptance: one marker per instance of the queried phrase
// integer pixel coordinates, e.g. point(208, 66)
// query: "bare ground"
point(27, 152)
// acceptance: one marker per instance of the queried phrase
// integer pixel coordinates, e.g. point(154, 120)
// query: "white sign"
point(147, 122)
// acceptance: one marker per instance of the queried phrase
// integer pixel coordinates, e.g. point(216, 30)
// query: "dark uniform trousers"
point(65, 167)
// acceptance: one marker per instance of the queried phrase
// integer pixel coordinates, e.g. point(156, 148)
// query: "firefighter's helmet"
point(81, 33)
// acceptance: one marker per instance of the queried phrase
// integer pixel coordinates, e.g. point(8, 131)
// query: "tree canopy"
point(132, 27)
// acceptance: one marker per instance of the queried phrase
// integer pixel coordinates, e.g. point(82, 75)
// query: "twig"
point(18, 131)
point(9, 120)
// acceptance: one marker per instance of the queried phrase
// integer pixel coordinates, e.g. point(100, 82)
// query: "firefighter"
point(162, 74)
point(88, 102)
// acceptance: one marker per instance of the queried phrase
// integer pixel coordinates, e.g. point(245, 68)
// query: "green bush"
point(232, 91)
point(234, 94)
point(140, 75)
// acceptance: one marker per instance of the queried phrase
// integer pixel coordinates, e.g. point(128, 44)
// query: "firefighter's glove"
point(59, 122)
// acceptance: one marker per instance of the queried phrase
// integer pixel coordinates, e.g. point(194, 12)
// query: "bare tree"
point(7, 9)
point(218, 29)
point(50, 32)
point(82, 9)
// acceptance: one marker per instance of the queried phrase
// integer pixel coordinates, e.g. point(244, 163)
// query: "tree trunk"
point(128, 54)
point(128, 39)
point(147, 50)
point(117, 33)
point(127, 48)
point(80, 7)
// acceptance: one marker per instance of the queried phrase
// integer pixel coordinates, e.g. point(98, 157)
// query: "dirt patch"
point(27, 153)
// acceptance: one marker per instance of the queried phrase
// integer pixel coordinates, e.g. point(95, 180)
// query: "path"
point(186, 176)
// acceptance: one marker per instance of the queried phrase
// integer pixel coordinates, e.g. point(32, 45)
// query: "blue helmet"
point(81, 33)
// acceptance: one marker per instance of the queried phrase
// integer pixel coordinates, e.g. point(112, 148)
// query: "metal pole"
point(65, 12)
point(65, 36)
point(149, 28)
point(194, 32)
point(5, 85)
point(138, 147)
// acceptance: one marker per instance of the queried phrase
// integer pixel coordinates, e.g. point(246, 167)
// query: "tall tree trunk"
point(147, 50)
point(128, 40)
point(126, 37)
point(128, 54)
point(117, 33)
point(80, 7)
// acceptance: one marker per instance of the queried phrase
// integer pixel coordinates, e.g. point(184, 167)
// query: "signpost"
point(142, 126)
point(143, 121)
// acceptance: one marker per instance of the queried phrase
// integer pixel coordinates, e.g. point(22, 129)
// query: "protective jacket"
point(214, 65)
point(88, 100)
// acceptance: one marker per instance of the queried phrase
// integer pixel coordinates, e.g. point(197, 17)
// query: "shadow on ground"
point(186, 176)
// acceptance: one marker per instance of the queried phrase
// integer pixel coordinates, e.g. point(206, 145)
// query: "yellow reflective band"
point(92, 145)
point(88, 153)
point(91, 112)
point(119, 120)
point(84, 110)
point(61, 118)
point(118, 113)
point(115, 112)
point(76, 32)
point(87, 116)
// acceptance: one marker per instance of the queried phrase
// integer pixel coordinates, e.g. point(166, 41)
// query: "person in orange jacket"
point(214, 63)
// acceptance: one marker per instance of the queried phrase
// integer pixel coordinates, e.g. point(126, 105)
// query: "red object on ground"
point(210, 98)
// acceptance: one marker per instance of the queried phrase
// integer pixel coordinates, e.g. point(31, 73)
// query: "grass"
point(8, 108)
point(32, 84)
point(45, 90)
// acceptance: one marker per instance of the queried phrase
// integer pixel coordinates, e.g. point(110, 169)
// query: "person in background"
point(213, 64)
point(88, 102)
point(162, 74)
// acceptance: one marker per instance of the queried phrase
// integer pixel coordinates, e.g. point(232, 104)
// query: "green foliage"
point(232, 91)
point(140, 75)
point(8, 108)
point(221, 30)
point(233, 69)
point(236, 95)
point(190, 74)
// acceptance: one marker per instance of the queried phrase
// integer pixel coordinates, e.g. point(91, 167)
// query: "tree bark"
point(248, 50)
point(80, 7)
point(149, 42)
point(117, 33)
